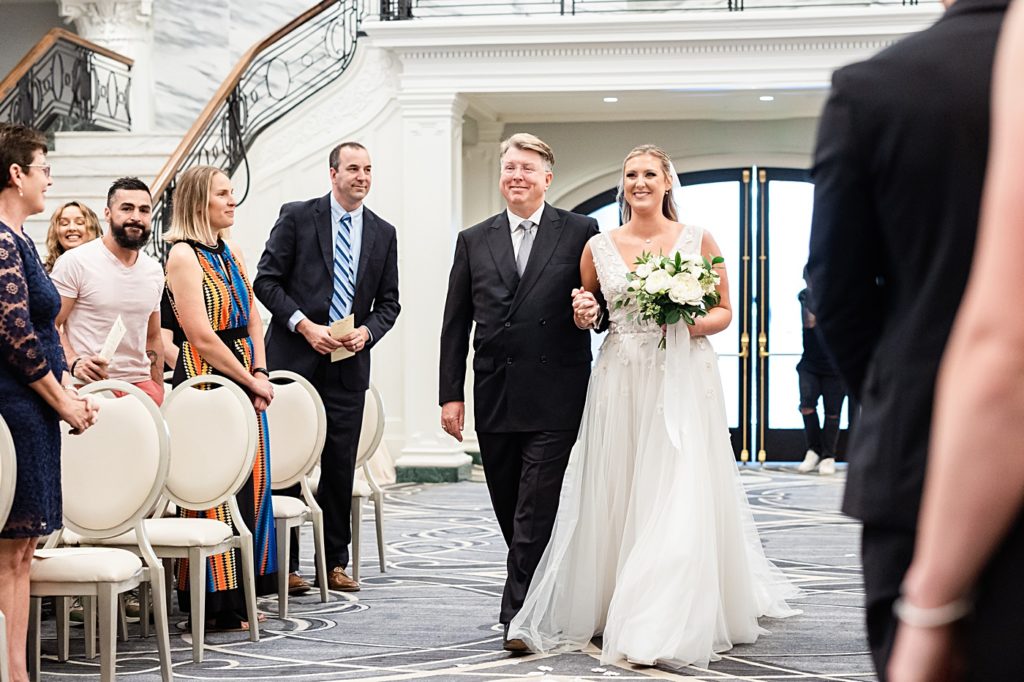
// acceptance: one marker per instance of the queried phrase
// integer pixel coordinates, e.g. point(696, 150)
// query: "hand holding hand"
point(262, 392)
point(80, 413)
point(585, 308)
point(318, 337)
point(356, 340)
point(89, 368)
point(453, 418)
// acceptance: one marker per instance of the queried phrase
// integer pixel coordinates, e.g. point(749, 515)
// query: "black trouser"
point(524, 477)
point(830, 389)
point(337, 466)
point(886, 555)
point(996, 628)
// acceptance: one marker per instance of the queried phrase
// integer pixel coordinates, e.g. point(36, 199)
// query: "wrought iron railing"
point(68, 83)
point(393, 10)
point(270, 80)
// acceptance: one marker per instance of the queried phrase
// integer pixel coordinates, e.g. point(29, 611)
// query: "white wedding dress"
point(654, 545)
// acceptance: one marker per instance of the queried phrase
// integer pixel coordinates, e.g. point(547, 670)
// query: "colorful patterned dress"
point(228, 297)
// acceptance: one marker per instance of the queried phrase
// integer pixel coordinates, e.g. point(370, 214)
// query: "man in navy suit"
point(327, 258)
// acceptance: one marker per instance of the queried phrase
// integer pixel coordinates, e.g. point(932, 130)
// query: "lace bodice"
point(612, 270)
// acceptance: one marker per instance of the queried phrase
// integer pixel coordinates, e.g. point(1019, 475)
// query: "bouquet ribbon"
point(678, 396)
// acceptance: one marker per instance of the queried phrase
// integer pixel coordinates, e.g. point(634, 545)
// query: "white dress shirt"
point(513, 224)
point(357, 246)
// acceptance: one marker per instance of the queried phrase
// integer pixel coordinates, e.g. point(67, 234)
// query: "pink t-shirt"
point(104, 288)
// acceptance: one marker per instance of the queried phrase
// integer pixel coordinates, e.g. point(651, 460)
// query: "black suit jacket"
point(531, 363)
point(296, 272)
point(898, 174)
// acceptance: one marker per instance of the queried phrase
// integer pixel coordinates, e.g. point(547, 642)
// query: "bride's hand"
point(585, 308)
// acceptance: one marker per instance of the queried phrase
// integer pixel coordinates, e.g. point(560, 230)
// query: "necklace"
point(647, 241)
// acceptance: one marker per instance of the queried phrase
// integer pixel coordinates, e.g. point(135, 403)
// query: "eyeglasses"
point(511, 169)
point(45, 167)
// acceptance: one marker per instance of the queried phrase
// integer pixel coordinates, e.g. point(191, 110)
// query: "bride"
point(654, 545)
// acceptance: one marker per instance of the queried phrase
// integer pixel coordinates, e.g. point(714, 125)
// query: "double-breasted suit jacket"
point(531, 363)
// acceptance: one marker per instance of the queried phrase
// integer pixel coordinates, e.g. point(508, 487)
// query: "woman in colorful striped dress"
point(213, 302)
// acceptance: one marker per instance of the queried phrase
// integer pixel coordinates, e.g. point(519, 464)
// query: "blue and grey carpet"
point(432, 615)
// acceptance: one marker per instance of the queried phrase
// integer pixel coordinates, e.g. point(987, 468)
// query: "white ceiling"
point(647, 105)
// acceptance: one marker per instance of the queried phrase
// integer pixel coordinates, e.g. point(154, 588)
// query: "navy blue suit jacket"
point(296, 273)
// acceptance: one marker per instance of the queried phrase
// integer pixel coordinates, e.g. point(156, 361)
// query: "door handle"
point(744, 346)
point(762, 345)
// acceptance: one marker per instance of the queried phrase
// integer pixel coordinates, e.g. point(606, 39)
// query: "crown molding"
point(698, 51)
point(432, 37)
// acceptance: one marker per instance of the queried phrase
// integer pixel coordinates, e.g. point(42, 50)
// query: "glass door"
point(761, 219)
point(785, 199)
point(720, 202)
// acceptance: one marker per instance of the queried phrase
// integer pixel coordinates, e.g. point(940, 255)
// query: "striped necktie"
point(344, 273)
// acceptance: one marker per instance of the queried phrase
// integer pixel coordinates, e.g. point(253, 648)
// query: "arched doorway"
point(761, 219)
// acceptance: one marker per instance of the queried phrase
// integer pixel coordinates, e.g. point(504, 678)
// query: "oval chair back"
point(298, 428)
point(214, 439)
point(8, 479)
point(113, 473)
point(372, 430)
point(8, 471)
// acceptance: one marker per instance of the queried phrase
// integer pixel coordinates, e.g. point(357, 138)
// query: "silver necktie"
point(525, 246)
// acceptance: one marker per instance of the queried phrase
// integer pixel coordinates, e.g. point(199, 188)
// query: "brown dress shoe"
point(297, 584)
point(517, 646)
point(337, 579)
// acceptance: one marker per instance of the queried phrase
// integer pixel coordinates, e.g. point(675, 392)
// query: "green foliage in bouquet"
point(668, 289)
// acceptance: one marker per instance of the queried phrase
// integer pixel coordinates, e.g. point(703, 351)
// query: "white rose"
point(695, 265)
point(644, 270)
point(658, 282)
point(686, 290)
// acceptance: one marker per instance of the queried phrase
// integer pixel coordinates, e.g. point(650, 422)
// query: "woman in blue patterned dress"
point(32, 400)
point(213, 302)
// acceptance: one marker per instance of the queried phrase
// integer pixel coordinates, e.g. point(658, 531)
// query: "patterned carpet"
point(432, 615)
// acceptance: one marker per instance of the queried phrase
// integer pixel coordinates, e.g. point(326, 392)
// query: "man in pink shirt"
point(107, 280)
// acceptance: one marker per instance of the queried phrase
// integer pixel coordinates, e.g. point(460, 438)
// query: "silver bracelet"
point(931, 617)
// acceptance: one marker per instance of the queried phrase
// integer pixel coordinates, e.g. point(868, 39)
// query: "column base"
point(433, 468)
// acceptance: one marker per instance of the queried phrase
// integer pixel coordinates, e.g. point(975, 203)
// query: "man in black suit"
point(327, 258)
point(898, 174)
point(513, 275)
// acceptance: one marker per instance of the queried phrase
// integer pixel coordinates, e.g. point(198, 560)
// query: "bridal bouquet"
point(672, 288)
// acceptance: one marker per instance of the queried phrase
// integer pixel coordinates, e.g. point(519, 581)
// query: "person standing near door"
point(818, 379)
point(898, 172)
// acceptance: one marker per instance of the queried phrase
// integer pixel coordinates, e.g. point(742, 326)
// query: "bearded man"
point(109, 284)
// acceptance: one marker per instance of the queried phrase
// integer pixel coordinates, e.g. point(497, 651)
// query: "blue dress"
point(29, 349)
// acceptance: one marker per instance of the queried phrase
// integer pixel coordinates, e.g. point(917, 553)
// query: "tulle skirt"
point(654, 545)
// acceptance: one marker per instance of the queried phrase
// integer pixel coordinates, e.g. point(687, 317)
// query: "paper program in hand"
point(114, 337)
point(342, 327)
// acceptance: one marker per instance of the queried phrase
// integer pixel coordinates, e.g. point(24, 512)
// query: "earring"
point(20, 193)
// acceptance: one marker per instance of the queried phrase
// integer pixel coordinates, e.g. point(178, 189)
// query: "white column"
point(125, 27)
point(432, 216)
point(480, 198)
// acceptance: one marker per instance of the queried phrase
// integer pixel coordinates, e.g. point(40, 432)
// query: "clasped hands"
point(585, 308)
point(319, 337)
point(79, 412)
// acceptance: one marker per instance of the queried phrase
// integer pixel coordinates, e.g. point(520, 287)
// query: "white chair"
point(214, 439)
point(111, 476)
point(298, 427)
point(370, 435)
point(8, 477)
